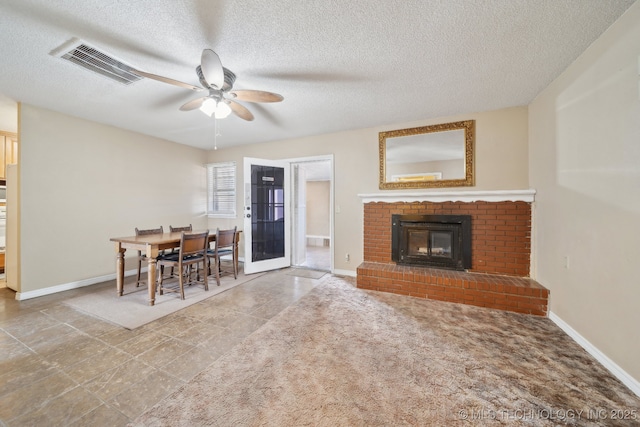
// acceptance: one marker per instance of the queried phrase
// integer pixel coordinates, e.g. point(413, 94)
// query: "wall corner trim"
point(617, 371)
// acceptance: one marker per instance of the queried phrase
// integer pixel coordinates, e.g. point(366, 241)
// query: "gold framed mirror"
point(433, 156)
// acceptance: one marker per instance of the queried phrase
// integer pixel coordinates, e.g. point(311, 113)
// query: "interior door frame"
point(310, 159)
point(299, 218)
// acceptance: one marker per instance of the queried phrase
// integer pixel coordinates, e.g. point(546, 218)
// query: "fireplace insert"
point(440, 241)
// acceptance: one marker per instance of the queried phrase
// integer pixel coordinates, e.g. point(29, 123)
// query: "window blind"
point(221, 189)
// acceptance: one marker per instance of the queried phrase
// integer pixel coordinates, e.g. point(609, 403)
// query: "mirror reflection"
point(430, 156)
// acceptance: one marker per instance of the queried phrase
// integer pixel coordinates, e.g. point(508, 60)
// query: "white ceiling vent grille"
point(80, 53)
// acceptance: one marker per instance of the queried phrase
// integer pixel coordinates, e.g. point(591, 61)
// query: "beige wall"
point(501, 164)
point(83, 182)
point(585, 164)
point(318, 206)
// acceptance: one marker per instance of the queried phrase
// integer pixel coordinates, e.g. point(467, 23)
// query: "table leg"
point(151, 280)
point(120, 269)
point(235, 256)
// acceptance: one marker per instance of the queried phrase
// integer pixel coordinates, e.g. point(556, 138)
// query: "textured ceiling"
point(340, 64)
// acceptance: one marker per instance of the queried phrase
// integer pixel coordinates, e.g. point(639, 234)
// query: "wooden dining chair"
point(186, 228)
point(225, 245)
point(143, 257)
point(191, 252)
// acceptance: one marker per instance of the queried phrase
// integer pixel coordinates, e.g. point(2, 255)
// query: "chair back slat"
point(149, 231)
point(185, 228)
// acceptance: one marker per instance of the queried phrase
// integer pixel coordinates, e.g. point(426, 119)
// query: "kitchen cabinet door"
point(8, 151)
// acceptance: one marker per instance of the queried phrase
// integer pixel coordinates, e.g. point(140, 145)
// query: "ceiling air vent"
point(80, 53)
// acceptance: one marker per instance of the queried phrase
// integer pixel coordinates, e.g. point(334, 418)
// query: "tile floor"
point(59, 366)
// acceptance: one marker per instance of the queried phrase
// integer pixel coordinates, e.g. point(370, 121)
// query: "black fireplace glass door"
point(440, 241)
point(418, 242)
point(422, 242)
point(441, 244)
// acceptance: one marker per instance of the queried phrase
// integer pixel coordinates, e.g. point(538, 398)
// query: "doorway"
point(312, 213)
point(8, 178)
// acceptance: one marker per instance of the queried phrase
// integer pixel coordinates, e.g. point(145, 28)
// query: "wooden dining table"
point(152, 245)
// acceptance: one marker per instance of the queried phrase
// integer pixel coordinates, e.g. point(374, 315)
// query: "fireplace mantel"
point(451, 196)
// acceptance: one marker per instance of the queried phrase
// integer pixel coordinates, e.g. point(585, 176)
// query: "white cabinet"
point(8, 151)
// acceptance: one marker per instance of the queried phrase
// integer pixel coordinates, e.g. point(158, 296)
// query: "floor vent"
point(80, 53)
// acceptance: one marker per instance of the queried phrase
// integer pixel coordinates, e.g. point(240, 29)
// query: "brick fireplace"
point(498, 276)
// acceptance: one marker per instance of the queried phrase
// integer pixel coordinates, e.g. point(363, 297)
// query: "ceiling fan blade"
point(240, 110)
point(193, 104)
point(256, 96)
point(212, 68)
point(166, 80)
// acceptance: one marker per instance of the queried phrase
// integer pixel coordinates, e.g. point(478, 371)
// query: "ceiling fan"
point(218, 81)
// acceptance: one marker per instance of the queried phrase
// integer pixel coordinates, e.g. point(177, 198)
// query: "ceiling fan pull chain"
point(215, 133)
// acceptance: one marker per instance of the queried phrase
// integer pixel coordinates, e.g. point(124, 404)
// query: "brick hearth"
point(501, 249)
point(519, 294)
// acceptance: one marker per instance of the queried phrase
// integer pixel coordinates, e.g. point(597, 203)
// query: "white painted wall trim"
point(451, 196)
point(349, 273)
point(617, 371)
point(72, 285)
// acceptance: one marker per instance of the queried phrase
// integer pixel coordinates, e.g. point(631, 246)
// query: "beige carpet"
point(132, 310)
point(346, 357)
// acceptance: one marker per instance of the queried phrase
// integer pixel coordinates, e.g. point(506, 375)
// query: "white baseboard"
point(71, 285)
point(350, 273)
point(617, 371)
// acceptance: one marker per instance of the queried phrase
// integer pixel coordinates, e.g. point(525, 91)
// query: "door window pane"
point(267, 207)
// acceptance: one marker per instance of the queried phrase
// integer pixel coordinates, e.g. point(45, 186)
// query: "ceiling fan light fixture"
point(222, 110)
point(208, 107)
